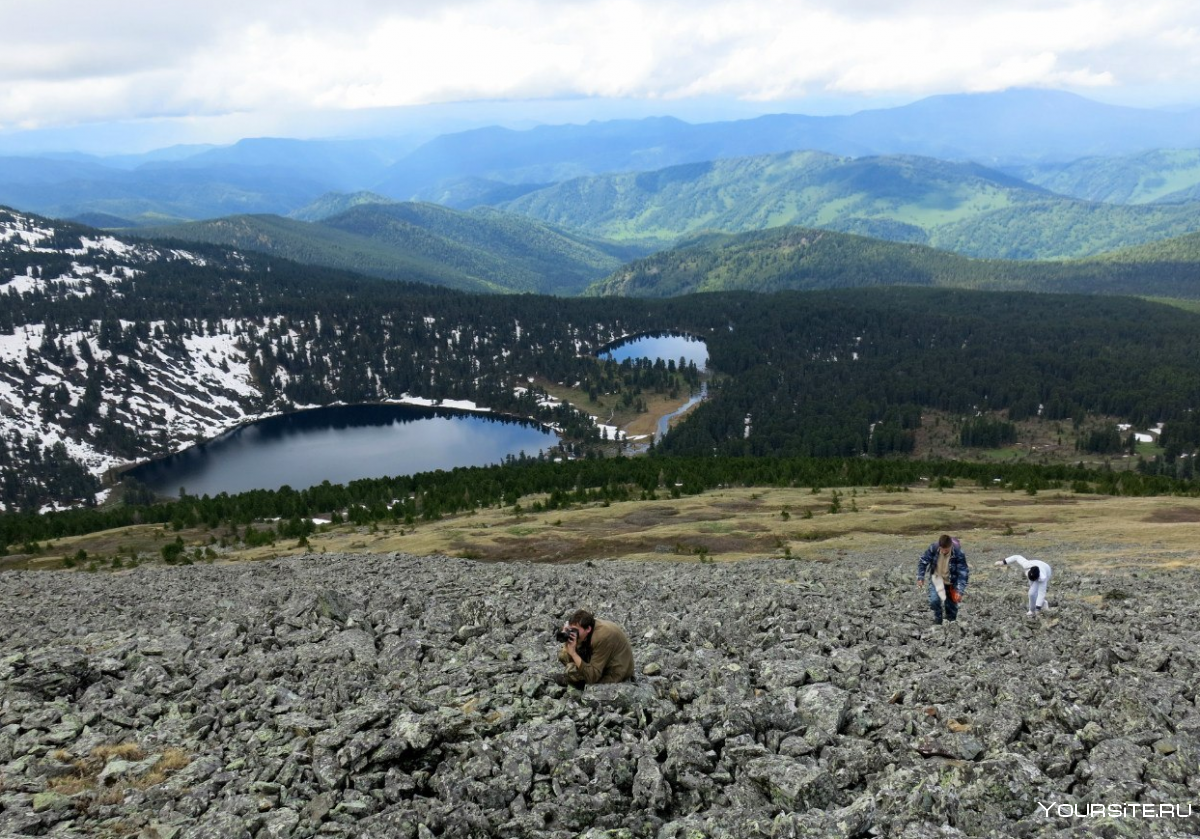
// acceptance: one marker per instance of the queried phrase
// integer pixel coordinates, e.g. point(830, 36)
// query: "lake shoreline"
point(447, 409)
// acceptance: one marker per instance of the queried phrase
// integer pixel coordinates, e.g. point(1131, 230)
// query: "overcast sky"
point(252, 65)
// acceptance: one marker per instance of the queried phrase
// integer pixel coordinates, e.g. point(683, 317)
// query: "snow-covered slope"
point(107, 391)
point(113, 352)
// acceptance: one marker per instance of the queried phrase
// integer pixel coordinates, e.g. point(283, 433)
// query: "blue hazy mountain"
point(1009, 128)
point(489, 166)
point(263, 175)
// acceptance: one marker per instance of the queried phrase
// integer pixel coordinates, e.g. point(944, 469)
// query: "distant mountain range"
point(483, 250)
point(1011, 127)
point(253, 176)
point(1032, 134)
point(152, 194)
point(961, 207)
point(492, 251)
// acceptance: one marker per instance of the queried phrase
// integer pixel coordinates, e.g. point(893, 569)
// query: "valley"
point(119, 351)
point(483, 251)
point(349, 353)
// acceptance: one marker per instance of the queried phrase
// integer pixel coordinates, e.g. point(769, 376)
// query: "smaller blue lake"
point(666, 347)
point(342, 444)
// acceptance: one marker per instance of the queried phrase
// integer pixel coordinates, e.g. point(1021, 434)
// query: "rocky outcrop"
point(409, 697)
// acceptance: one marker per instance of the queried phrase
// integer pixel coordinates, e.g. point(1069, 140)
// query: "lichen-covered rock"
point(793, 784)
point(51, 672)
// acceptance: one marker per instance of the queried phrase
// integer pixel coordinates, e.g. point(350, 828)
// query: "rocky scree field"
point(402, 696)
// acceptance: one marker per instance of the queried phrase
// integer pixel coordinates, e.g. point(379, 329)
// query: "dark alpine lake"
point(666, 347)
point(342, 444)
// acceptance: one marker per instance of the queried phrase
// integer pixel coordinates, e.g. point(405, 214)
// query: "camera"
point(566, 635)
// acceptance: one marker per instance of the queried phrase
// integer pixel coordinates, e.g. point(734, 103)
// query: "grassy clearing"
point(109, 550)
point(608, 411)
point(1038, 441)
point(1096, 532)
point(1150, 450)
point(1093, 531)
point(1186, 305)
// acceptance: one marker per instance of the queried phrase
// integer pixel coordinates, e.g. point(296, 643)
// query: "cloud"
point(63, 62)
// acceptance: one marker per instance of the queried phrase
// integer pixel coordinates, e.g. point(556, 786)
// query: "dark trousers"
point(935, 605)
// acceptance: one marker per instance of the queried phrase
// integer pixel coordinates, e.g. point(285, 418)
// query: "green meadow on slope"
point(962, 207)
point(806, 258)
point(1161, 175)
point(563, 238)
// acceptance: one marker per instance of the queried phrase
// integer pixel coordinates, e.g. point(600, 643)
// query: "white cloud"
point(64, 62)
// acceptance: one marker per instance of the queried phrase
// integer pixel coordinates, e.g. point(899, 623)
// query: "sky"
point(148, 72)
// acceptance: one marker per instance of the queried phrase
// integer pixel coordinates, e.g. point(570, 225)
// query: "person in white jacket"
point(1038, 573)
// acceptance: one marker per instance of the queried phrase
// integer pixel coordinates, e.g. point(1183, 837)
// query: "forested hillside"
point(841, 373)
point(1181, 250)
point(806, 258)
point(485, 250)
point(1055, 229)
point(335, 203)
point(960, 207)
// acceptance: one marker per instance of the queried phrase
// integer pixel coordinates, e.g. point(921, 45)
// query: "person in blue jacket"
point(946, 567)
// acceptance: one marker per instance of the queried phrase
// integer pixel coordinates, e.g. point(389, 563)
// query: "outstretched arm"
point(923, 563)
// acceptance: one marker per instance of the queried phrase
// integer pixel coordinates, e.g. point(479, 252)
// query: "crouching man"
point(595, 652)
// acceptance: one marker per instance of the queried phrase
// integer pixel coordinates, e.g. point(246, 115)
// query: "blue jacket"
point(959, 572)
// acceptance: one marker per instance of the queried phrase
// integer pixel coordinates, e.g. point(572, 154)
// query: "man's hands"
point(570, 645)
point(920, 584)
point(1000, 562)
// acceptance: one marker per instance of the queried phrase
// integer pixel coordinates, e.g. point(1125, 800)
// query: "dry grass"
point(86, 775)
point(632, 423)
point(1090, 531)
point(726, 525)
point(1039, 441)
point(124, 751)
point(69, 785)
point(170, 762)
point(143, 539)
point(109, 797)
